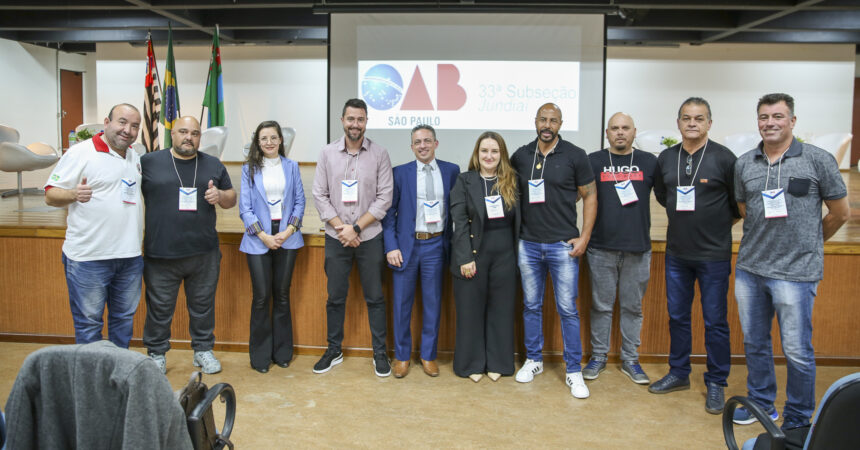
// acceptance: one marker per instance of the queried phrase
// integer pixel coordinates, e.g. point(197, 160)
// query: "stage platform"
point(34, 301)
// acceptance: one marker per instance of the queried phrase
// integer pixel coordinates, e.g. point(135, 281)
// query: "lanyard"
point(631, 164)
point(486, 194)
point(543, 166)
point(778, 170)
point(196, 160)
point(680, 149)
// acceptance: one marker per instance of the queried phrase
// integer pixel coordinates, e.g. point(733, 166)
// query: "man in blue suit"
point(416, 233)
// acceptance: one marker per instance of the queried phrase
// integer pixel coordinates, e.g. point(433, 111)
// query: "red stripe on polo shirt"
point(100, 144)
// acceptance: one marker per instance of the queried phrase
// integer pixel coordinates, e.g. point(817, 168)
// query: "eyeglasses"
point(689, 168)
point(273, 140)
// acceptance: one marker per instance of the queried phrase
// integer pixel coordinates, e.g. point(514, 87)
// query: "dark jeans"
point(713, 278)
point(162, 278)
point(338, 264)
point(271, 337)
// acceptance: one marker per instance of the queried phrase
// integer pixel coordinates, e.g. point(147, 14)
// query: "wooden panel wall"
point(34, 306)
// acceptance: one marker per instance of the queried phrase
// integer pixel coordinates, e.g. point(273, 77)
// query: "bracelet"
point(254, 229)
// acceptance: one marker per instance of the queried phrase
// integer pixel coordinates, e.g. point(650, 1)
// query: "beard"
point(551, 138)
point(181, 151)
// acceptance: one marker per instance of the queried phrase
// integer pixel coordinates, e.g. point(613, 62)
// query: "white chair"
point(17, 158)
point(289, 136)
point(9, 134)
point(94, 128)
point(651, 140)
point(212, 141)
point(741, 143)
point(139, 148)
point(838, 144)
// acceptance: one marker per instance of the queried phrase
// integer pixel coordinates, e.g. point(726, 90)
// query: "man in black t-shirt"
point(695, 185)
point(181, 188)
point(619, 252)
point(551, 172)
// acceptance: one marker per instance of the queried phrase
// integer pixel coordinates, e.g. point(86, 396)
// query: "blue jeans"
point(427, 264)
point(713, 278)
point(535, 259)
point(114, 283)
point(758, 298)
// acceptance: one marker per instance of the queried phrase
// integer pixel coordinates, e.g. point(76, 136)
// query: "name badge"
point(536, 191)
point(432, 211)
point(187, 199)
point(774, 203)
point(349, 191)
point(686, 198)
point(275, 209)
point(129, 191)
point(626, 193)
point(495, 209)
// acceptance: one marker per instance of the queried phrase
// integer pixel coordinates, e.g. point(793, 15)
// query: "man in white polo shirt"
point(99, 180)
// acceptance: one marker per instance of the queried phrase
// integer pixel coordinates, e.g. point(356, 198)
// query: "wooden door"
point(71, 103)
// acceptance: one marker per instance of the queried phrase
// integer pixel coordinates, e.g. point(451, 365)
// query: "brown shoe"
point(401, 368)
point(430, 368)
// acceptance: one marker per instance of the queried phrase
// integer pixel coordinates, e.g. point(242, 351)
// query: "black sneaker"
point(669, 383)
point(331, 357)
point(716, 399)
point(381, 365)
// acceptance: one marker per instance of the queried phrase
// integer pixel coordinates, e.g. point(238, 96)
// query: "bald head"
point(547, 123)
point(186, 137)
point(620, 132)
point(549, 107)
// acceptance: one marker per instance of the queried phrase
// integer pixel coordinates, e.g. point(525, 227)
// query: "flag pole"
point(208, 73)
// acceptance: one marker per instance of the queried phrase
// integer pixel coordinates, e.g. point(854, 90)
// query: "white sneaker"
point(577, 385)
point(528, 371)
point(207, 361)
point(160, 361)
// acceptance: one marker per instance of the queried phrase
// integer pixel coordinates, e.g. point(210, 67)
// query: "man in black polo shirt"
point(551, 173)
point(695, 185)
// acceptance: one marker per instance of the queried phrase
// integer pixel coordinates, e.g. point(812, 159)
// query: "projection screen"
point(465, 74)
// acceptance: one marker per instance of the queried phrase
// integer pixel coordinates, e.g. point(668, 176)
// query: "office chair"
point(834, 427)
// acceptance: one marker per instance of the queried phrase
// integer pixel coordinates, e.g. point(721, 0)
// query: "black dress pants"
point(338, 265)
point(485, 309)
point(271, 337)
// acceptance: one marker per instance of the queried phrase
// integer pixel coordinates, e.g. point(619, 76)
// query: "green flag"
point(214, 96)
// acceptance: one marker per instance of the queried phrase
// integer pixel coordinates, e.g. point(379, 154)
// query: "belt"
point(423, 235)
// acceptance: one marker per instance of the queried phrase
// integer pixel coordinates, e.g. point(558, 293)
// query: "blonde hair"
point(507, 178)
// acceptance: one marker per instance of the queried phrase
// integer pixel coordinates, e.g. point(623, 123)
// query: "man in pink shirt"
point(352, 191)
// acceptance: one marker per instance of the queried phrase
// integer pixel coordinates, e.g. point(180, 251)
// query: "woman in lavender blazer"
point(271, 205)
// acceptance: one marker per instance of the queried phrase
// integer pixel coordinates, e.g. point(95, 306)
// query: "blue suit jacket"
point(398, 225)
point(254, 207)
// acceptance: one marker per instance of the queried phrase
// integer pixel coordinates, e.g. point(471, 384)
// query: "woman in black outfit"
point(483, 261)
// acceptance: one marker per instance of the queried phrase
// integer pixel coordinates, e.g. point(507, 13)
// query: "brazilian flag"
point(170, 93)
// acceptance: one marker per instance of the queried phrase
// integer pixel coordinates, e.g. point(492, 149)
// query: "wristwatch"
point(356, 228)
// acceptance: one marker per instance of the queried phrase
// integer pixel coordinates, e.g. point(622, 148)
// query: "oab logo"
point(382, 89)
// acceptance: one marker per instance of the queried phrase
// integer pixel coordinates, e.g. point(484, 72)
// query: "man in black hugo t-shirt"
point(695, 185)
point(551, 173)
point(619, 252)
point(181, 188)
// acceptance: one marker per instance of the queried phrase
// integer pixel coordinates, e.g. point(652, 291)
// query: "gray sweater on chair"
point(93, 396)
